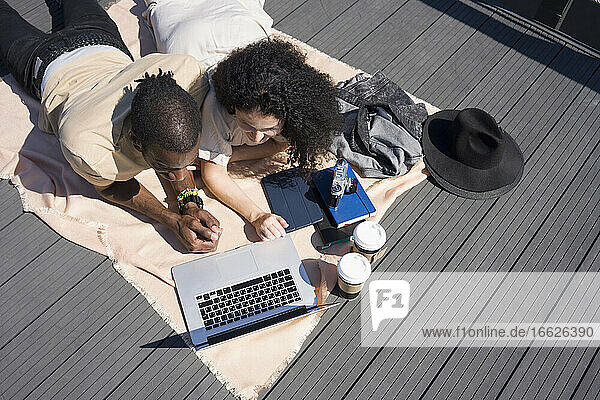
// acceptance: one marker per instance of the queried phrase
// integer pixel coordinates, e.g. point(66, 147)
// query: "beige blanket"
point(143, 251)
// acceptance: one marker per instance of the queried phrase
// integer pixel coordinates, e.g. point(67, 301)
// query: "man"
point(115, 117)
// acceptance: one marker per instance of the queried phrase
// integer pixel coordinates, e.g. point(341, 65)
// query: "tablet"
point(292, 198)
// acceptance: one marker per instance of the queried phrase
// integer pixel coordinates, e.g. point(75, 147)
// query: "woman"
point(263, 97)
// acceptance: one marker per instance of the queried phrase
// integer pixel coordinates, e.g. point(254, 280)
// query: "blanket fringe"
point(292, 355)
point(27, 207)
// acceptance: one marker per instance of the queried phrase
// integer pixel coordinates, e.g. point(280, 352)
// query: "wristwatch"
point(187, 195)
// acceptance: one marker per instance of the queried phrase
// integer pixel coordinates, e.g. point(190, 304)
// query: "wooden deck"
point(72, 328)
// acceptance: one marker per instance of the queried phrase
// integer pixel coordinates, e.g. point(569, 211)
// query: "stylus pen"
point(336, 242)
point(323, 307)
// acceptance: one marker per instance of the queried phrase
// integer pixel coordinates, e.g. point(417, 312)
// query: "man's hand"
point(197, 229)
point(269, 226)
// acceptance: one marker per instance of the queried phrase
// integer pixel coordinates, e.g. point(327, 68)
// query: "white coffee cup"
point(353, 271)
point(369, 238)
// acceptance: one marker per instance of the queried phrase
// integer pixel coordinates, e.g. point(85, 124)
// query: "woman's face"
point(257, 126)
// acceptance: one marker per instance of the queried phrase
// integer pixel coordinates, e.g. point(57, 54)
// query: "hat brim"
point(461, 179)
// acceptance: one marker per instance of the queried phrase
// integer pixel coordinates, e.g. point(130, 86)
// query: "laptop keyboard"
point(245, 299)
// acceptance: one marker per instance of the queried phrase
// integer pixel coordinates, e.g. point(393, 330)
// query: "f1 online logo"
point(389, 300)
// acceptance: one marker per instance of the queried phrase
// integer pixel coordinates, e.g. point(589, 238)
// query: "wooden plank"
point(61, 330)
point(523, 63)
point(458, 372)
point(592, 258)
point(209, 388)
point(11, 351)
point(469, 371)
point(516, 134)
point(24, 7)
point(165, 377)
point(392, 36)
point(10, 204)
point(311, 17)
point(188, 380)
point(490, 371)
point(525, 373)
point(135, 324)
point(46, 17)
point(335, 335)
point(431, 50)
point(464, 371)
point(448, 214)
point(557, 87)
point(543, 370)
point(552, 381)
point(495, 373)
point(570, 227)
point(95, 374)
point(499, 364)
point(567, 211)
point(409, 208)
point(347, 30)
point(42, 283)
point(149, 378)
point(113, 358)
point(410, 364)
point(303, 370)
point(186, 372)
point(507, 242)
point(588, 383)
point(22, 241)
point(412, 215)
point(470, 63)
point(334, 352)
point(279, 10)
point(426, 241)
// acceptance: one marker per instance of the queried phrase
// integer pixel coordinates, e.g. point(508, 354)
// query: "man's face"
point(170, 165)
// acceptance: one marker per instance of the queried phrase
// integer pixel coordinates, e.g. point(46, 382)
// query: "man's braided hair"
point(163, 113)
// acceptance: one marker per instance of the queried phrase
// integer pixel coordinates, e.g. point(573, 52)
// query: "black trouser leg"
point(88, 14)
point(18, 42)
point(25, 48)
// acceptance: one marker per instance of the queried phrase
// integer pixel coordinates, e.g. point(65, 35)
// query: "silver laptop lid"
point(212, 273)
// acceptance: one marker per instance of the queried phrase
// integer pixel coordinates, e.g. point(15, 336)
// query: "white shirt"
point(206, 29)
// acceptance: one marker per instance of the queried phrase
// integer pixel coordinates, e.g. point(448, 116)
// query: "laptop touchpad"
point(237, 264)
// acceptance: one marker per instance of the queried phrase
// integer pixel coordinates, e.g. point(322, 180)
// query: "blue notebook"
point(292, 198)
point(352, 207)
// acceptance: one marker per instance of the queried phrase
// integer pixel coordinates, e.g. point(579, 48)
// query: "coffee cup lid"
point(354, 268)
point(369, 235)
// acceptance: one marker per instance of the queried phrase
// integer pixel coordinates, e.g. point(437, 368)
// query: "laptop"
point(253, 287)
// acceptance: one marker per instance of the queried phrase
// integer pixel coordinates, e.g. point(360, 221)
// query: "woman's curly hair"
point(271, 76)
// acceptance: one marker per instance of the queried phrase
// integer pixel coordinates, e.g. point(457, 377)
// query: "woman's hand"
point(269, 226)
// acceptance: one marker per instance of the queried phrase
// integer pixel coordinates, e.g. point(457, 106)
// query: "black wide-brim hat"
point(469, 155)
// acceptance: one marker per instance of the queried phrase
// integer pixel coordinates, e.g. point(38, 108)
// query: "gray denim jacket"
point(383, 126)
